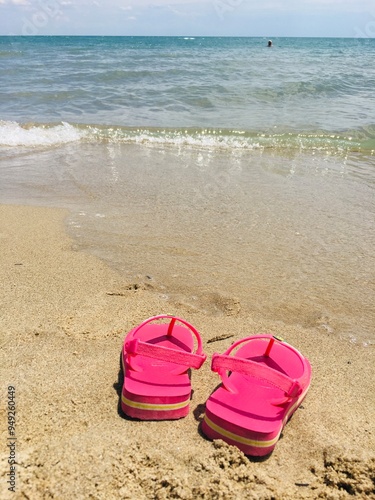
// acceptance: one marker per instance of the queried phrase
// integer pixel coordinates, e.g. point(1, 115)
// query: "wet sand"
point(64, 315)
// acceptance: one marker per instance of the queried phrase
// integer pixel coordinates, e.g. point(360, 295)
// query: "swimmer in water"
point(269, 43)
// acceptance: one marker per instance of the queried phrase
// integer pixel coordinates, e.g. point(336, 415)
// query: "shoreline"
point(65, 315)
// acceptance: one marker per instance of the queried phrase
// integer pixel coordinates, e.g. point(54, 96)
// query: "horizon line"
point(188, 35)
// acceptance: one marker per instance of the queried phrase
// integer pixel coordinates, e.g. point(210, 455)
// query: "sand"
point(64, 315)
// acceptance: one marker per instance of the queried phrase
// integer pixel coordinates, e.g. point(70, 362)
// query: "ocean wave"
point(33, 135)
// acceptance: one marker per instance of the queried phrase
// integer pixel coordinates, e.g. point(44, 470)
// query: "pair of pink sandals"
point(267, 381)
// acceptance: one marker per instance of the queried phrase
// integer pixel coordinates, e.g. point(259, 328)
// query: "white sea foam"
point(223, 139)
point(14, 134)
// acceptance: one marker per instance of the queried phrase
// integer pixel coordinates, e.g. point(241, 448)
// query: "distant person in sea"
point(269, 43)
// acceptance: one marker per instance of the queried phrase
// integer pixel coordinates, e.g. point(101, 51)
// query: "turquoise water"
point(309, 88)
point(217, 166)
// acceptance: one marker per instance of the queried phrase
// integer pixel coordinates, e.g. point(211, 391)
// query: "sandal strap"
point(190, 360)
point(222, 363)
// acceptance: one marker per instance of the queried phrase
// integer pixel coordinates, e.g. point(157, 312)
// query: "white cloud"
point(20, 2)
point(199, 17)
point(347, 5)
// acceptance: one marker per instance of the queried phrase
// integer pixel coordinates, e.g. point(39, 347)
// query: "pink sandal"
point(268, 382)
point(156, 358)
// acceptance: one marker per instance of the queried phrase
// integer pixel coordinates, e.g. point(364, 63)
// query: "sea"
point(229, 176)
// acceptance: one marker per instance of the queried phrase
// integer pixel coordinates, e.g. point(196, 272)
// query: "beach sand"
point(64, 315)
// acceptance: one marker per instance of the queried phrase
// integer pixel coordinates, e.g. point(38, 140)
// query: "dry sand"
point(64, 315)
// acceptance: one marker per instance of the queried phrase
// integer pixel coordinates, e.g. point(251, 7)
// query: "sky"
point(270, 18)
